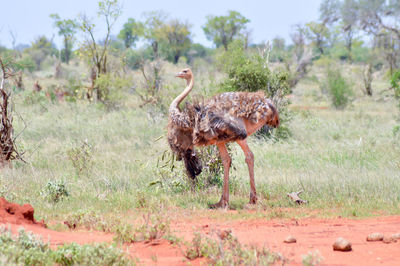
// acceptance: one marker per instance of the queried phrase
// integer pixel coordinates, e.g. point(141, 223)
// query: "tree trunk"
point(176, 57)
point(67, 52)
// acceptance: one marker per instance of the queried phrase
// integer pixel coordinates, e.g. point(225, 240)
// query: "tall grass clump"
point(337, 87)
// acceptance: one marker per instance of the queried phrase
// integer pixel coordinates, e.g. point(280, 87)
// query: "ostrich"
point(227, 117)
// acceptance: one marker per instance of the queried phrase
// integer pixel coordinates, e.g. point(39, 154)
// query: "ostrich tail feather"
point(192, 163)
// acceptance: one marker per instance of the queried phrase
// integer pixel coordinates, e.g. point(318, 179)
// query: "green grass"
point(346, 162)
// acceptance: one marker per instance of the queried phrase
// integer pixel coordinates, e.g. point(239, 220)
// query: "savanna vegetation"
point(89, 122)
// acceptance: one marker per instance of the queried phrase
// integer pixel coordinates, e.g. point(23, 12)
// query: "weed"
point(312, 258)
point(81, 158)
point(227, 250)
point(153, 228)
point(55, 191)
point(338, 88)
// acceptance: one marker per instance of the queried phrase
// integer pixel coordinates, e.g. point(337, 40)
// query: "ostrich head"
point(185, 73)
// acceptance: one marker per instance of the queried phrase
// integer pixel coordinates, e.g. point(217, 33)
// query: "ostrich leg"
point(250, 164)
point(226, 162)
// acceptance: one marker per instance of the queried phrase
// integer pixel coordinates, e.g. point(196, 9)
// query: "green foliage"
point(227, 250)
point(131, 31)
point(54, 191)
point(318, 34)
point(81, 158)
point(40, 49)
point(337, 87)
point(34, 98)
point(111, 87)
point(178, 39)
point(66, 28)
point(97, 254)
point(222, 30)
point(395, 83)
point(26, 62)
point(27, 249)
point(250, 72)
point(197, 50)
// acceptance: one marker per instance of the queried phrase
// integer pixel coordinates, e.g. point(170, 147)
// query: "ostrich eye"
point(184, 71)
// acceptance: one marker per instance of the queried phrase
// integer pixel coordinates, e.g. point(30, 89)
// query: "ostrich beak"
point(179, 75)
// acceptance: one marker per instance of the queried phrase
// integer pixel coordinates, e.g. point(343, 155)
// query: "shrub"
point(81, 158)
point(337, 88)
point(55, 191)
point(103, 254)
point(25, 249)
point(395, 83)
point(154, 227)
point(227, 250)
point(28, 249)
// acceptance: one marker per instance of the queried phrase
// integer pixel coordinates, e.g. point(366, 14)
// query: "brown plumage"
point(227, 117)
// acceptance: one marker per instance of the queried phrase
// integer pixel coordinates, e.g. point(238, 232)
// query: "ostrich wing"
point(215, 126)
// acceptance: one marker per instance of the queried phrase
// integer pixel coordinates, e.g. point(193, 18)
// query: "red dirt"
point(311, 234)
point(314, 234)
point(17, 214)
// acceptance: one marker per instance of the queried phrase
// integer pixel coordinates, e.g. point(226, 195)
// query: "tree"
point(299, 39)
point(96, 53)
point(153, 30)
point(318, 34)
point(329, 11)
point(40, 48)
point(67, 29)
point(378, 15)
point(8, 149)
point(381, 19)
point(222, 30)
point(349, 17)
point(178, 37)
point(387, 44)
point(130, 33)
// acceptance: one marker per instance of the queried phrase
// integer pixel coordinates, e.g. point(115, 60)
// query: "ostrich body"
point(227, 117)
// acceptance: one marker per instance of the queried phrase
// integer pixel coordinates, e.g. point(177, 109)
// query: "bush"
point(110, 88)
point(55, 191)
point(81, 158)
point(28, 249)
point(154, 227)
point(395, 83)
point(337, 87)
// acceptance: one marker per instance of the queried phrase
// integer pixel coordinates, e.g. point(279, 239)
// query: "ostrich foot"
point(253, 198)
point(222, 204)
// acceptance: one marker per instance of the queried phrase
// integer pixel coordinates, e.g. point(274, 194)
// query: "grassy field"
point(108, 162)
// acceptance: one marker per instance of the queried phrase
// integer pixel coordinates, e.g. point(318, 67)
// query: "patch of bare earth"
point(311, 234)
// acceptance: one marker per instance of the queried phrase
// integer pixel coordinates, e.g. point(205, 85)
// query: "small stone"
point(375, 237)
point(342, 244)
point(396, 236)
point(389, 239)
point(290, 239)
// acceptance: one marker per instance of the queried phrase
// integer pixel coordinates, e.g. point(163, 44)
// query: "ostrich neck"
point(175, 103)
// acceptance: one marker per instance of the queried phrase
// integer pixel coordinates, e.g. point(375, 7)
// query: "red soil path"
point(311, 234)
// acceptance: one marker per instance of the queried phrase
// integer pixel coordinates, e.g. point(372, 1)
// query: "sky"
point(28, 19)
